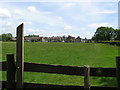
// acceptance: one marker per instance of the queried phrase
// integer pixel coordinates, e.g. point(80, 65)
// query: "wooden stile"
point(118, 71)
point(86, 77)
point(10, 71)
point(20, 56)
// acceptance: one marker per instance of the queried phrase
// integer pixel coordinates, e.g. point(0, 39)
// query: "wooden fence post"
point(86, 77)
point(20, 56)
point(118, 71)
point(10, 71)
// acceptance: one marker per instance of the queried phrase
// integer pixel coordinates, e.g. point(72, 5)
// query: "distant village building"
point(43, 39)
point(84, 40)
point(32, 39)
point(70, 39)
point(55, 39)
point(78, 39)
point(36, 39)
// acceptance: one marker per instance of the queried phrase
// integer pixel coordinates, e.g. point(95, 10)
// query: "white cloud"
point(87, 35)
point(59, 0)
point(4, 13)
point(111, 4)
point(27, 23)
point(35, 10)
point(68, 5)
point(46, 12)
point(68, 27)
point(60, 18)
point(61, 21)
point(82, 29)
point(96, 25)
point(107, 12)
point(31, 31)
point(7, 25)
point(32, 9)
point(41, 32)
point(19, 12)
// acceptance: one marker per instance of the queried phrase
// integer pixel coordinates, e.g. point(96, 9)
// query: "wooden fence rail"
point(62, 69)
point(35, 85)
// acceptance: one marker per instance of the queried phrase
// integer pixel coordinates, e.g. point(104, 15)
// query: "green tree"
point(28, 36)
point(117, 34)
point(6, 37)
point(0, 37)
point(104, 34)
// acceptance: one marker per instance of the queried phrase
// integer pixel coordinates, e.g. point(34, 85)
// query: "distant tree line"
point(106, 34)
point(28, 36)
point(101, 34)
point(6, 37)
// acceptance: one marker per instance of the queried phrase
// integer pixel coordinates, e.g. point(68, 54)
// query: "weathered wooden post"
point(86, 77)
point(10, 71)
point(20, 56)
point(118, 71)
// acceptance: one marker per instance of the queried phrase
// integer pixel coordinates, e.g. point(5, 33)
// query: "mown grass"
point(75, 54)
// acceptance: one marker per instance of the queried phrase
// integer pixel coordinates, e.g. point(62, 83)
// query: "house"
point(43, 39)
point(89, 40)
point(84, 40)
point(32, 39)
point(55, 39)
point(70, 39)
point(78, 39)
point(26, 39)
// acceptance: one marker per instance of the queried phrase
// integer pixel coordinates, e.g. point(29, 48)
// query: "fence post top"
point(117, 56)
point(22, 24)
point(86, 66)
point(10, 54)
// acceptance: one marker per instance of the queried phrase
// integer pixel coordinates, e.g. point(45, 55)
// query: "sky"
point(58, 18)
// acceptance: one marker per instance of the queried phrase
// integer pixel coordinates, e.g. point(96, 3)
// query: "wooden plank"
point(37, 86)
point(20, 55)
point(34, 86)
point(69, 70)
point(86, 77)
point(61, 69)
point(102, 88)
point(11, 69)
point(118, 71)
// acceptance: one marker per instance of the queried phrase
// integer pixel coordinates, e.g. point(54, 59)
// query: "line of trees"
point(106, 34)
point(28, 36)
point(6, 37)
point(9, 36)
point(101, 34)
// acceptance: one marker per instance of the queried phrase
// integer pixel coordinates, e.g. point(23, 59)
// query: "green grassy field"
point(75, 54)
